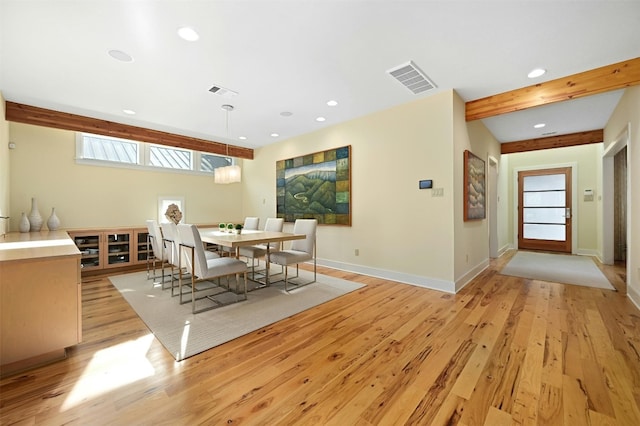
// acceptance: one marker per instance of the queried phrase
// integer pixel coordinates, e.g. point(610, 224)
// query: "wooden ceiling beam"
point(27, 114)
point(573, 139)
point(611, 77)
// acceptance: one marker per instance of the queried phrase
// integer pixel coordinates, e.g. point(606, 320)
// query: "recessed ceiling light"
point(320, 119)
point(121, 56)
point(536, 73)
point(286, 113)
point(539, 125)
point(274, 135)
point(243, 138)
point(332, 103)
point(188, 33)
point(129, 111)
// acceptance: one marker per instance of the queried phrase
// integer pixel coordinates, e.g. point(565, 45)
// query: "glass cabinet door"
point(89, 246)
point(118, 248)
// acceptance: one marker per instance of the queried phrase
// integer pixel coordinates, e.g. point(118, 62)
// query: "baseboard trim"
point(634, 296)
point(504, 249)
point(469, 276)
point(587, 252)
point(419, 281)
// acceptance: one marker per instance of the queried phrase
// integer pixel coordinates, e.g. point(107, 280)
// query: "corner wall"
point(43, 166)
point(628, 112)
point(471, 253)
point(401, 233)
point(4, 171)
point(587, 158)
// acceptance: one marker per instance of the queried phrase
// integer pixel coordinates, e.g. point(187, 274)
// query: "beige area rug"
point(184, 334)
point(559, 268)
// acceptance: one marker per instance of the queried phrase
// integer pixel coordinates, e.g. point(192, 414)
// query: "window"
point(170, 158)
point(209, 162)
point(108, 151)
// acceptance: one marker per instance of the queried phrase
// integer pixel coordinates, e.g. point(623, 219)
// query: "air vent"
point(221, 91)
point(412, 78)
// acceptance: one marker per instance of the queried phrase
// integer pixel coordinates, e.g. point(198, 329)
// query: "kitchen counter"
point(40, 299)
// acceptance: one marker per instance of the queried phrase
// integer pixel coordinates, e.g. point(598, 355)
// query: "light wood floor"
point(503, 351)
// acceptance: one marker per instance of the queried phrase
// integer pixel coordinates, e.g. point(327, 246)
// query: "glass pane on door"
point(544, 202)
point(543, 232)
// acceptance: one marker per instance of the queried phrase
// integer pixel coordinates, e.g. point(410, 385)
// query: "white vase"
point(35, 220)
point(53, 222)
point(24, 223)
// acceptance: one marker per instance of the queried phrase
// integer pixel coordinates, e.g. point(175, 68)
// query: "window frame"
point(144, 156)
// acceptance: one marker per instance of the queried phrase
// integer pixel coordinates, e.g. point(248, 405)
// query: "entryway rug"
point(559, 268)
point(184, 334)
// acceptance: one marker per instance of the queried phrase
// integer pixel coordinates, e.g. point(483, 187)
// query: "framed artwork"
point(163, 205)
point(475, 205)
point(315, 186)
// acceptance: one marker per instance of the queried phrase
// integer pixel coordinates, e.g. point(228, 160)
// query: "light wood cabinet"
point(111, 248)
point(142, 248)
point(40, 298)
point(102, 249)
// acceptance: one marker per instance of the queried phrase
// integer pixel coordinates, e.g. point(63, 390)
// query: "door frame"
point(492, 198)
point(574, 199)
point(616, 146)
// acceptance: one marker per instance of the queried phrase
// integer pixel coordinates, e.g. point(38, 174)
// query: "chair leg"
point(286, 278)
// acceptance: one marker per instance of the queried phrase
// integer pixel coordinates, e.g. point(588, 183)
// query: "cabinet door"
point(142, 248)
point(89, 244)
point(117, 248)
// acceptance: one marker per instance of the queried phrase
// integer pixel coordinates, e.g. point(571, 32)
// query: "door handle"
point(567, 212)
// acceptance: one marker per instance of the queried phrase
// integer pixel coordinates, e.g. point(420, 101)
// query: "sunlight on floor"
point(110, 369)
point(185, 339)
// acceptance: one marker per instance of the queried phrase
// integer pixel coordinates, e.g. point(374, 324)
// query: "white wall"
point(628, 112)
point(4, 170)
point(505, 216)
point(43, 166)
point(587, 159)
point(472, 237)
point(402, 233)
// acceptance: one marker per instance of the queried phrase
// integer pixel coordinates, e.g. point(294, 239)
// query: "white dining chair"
point(258, 251)
point(194, 260)
point(172, 243)
point(300, 251)
point(157, 254)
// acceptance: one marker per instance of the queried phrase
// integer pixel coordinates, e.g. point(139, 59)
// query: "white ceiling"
point(294, 56)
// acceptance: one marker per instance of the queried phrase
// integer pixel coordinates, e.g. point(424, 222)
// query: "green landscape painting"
point(315, 186)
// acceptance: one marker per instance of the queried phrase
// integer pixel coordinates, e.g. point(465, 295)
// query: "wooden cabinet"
point(89, 244)
point(111, 248)
point(40, 299)
point(142, 247)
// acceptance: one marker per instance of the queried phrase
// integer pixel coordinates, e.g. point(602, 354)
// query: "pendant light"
point(227, 174)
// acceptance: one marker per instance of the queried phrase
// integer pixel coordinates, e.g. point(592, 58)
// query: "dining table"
point(247, 237)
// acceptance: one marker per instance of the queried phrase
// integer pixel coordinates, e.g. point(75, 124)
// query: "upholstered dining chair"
point(157, 253)
point(172, 244)
point(300, 251)
point(256, 252)
point(193, 258)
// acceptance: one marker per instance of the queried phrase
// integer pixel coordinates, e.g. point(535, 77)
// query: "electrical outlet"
point(437, 192)
point(357, 252)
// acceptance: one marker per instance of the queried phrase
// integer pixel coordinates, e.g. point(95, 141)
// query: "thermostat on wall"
point(425, 184)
